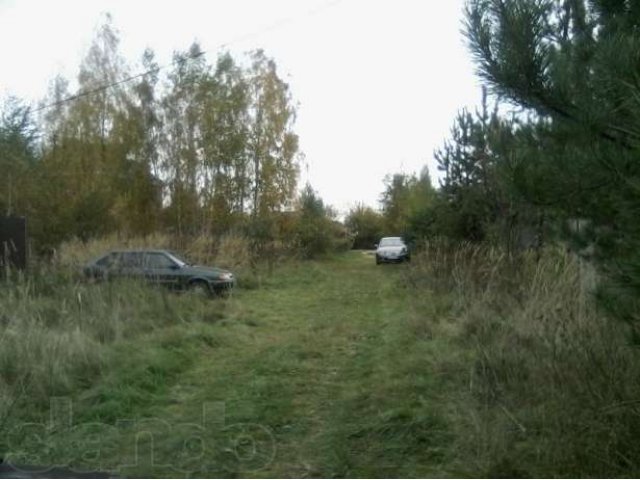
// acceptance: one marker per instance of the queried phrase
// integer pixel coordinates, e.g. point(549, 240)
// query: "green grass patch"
point(315, 370)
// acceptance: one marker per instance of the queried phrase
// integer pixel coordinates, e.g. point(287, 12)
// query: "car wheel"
point(200, 288)
point(223, 292)
point(100, 276)
point(378, 261)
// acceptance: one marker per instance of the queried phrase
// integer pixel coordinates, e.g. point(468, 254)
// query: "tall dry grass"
point(229, 251)
point(56, 329)
point(75, 252)
point(55, 332)
point(233, 252)
point(546, 385)
point(58, 332)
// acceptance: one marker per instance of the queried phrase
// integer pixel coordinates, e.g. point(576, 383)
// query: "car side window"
point(131, 260)
point(107, 261)
point(158, 260)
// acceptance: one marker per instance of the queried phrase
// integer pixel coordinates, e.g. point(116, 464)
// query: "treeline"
point(403, 202)
point(192, 149)
point(479, 197)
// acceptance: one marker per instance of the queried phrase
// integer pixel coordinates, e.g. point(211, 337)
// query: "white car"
point(392, 250)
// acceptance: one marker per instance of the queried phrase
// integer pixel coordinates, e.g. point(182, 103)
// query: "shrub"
point(366, 225)
point(316, 233)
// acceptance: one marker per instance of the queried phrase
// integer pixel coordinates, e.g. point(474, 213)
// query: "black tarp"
point(13, 242)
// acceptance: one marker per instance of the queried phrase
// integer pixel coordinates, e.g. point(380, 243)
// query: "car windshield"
point(178, 259)
point(391, 242)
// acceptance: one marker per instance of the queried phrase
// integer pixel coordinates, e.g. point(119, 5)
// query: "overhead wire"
point(259, 32)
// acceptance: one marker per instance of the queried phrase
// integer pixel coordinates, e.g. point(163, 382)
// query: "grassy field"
point(466, 363)
point(316, 371)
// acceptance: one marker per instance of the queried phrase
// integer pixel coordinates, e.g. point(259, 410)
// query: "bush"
point(366, 225)
point(316, 233)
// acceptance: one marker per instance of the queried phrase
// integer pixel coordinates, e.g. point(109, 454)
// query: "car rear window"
point(391, 242)
point(108, 260)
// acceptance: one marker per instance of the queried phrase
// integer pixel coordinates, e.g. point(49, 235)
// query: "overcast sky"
point(378, 83)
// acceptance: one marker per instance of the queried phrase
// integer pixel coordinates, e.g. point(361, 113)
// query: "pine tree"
point(573, 65)
point(468, 163)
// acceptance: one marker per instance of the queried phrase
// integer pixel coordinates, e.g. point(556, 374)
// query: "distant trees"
point(395, 202)
point(203, 149)
point(18, 144)
point(466, 162)
point(404, 202)
point(98, 151)
point(366, 225)
point(272, 145)
point(228, 143)
point(481, 194)
point(479, 199)
point(314, 229)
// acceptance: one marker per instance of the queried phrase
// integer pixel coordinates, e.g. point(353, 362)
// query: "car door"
point(161, 269)
point(130, 265)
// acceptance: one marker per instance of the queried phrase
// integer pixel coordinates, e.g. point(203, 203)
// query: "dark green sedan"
point(160, 267)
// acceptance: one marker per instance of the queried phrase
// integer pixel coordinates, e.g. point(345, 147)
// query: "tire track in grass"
point(289, 368)
point(305, 357)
